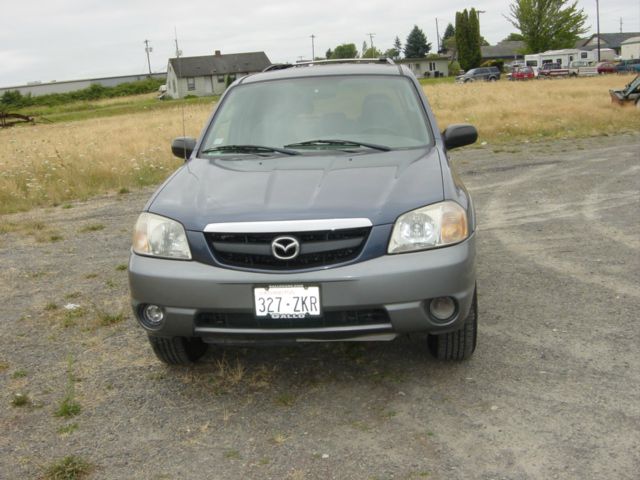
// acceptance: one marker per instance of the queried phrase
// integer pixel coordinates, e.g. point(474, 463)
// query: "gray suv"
point(488, 74)
point(318, 204)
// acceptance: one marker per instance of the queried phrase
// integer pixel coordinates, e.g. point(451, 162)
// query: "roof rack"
point(282, 66)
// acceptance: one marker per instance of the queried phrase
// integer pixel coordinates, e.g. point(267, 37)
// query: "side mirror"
point(182, 147)
point(459, 135)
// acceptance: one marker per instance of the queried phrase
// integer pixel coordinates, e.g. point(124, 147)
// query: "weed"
point(68, 468)
point(279, 438)
point(89, 276)
point(3, 365)
point(106, 319)
point(95, 227)
point(68, 429)
point(232, 454)
point(286, 399)
point(124, 191)
point(67, 206)
point(69, 407)
point(70, 316)
point(55, 238)
point(111, 283)
point(50, 306)
point(72, 295)
point(20, 400)
point(122, 267)
point(21, 373)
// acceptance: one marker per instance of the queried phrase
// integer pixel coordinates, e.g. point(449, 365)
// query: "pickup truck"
point(549, 70)
point(583, 68)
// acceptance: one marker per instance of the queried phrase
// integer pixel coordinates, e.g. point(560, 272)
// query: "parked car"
point(628, 66)
point(606, 67)
point(522, 73)
point(583, 68)
point(488, 74)
point(548, 70)
point(318, 204)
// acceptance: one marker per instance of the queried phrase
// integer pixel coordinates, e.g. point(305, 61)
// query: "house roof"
point(504, 49)
point(611, 40)
point(209, 65)
point(631, 40)
point(423, 59)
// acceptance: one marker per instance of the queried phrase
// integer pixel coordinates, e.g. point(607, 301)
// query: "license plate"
point(288, 301)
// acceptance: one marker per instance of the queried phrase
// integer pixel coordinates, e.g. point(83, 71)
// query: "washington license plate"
point(287, 301)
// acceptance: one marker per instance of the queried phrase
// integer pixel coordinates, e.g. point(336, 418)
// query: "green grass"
point(70, 467)
point(20, 400)
point(69, 407)
point(85, 110)
point(68, 429)
point(95, 227)
point(20, 373)
point(107, 319)
point(436, 81)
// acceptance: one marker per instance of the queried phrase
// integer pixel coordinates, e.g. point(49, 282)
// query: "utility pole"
point(371, 35)
point(598, 24)
point(620, 24)
point(313, 47)
point(437, 36)
point(148, 49)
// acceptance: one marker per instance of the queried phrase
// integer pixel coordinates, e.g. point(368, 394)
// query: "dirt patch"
point(552, 391)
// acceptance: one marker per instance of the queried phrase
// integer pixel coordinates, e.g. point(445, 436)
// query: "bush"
point(454, 68)
point(14, 99)
point(494, 63)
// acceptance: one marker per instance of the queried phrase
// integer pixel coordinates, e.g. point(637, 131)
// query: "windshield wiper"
point(249, 149)
point(338, 143)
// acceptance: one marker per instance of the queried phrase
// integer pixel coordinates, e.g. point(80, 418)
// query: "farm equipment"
point(629, 95)
point(10, 119)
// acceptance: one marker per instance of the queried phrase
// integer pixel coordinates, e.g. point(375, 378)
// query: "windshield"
point(298, 112)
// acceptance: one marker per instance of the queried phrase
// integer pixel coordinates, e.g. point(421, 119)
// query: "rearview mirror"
point(182, 147)
point(459, 135)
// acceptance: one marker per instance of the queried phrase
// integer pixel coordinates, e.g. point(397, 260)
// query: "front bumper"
point(400, 286)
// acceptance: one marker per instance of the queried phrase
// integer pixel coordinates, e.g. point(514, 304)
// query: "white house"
point(630, 48)
point(427, 66)
point(209, 74)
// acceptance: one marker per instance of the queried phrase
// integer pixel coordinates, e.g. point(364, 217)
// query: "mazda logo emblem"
point(285, 248)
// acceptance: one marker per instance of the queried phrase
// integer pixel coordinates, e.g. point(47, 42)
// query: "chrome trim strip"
point(288, 225)
point(270, 331)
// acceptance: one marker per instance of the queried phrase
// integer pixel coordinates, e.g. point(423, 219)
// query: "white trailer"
point(566, 56)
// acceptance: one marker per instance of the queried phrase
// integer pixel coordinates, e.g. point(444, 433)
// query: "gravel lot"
point(553, 390)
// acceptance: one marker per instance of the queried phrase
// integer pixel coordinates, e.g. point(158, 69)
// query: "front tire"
point(178, 350)
point(458, 345)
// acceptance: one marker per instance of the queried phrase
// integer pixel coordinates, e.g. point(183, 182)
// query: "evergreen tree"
point(397, 45)
point(416, 45)
point(467, 35)
point(449, 32)
point(475, 54)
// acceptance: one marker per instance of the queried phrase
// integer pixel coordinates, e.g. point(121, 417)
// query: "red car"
point(606, 67)
point(522, 73)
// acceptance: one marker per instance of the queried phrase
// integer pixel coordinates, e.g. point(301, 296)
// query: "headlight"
point(160, 237)
point(433, 226)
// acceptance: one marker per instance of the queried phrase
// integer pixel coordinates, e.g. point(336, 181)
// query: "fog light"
point(152, 316)
point(442, 308)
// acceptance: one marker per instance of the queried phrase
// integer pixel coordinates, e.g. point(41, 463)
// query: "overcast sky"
point(73, 39)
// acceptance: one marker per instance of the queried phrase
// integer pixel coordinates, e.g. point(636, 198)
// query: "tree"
point(391, 53)
point(397, 45)
point(416, 45)
point(328, 54)
point(467, 37)
point(547, 24)
point(449, 32)
point(346, 50)
point(372, 52)
point(513, 37)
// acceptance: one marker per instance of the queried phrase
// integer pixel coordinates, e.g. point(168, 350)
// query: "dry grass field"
point(51, 164)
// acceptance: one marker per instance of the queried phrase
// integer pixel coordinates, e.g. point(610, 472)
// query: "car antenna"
point(179, 57)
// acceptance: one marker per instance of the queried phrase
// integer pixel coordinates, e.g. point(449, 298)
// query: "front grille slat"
point(348, 318)
point(317, 248)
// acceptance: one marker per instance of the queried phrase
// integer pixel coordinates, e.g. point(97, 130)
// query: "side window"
point(191, 83)
point(583, 54)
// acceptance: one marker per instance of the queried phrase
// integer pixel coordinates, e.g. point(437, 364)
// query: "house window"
point(584, 54)
point(220, 78)
point(432, 66)
point(417, 67)
point(191, 83)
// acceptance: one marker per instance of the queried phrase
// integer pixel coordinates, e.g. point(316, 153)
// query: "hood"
point(379, 186)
